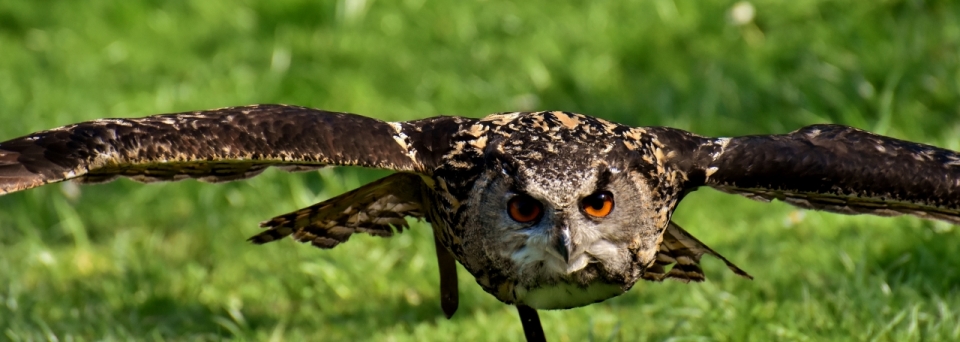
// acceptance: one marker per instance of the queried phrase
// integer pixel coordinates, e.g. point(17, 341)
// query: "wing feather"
point(216, 145)
point(378, 209)
point(683, 251)
point(825, 167)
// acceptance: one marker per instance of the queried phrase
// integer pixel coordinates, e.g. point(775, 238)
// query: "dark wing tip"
point(274, 233)
point(735, 269)
point(14, 176)
point(267, 236)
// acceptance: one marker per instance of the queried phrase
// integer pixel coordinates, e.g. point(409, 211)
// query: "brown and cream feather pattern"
point(215, 145)
point(378, 209)
point(825, 167)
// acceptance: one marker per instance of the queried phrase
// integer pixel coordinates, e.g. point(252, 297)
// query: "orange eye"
point(599, 204)
point(524, 209)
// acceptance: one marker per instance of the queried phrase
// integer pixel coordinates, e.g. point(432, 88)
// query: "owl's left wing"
point(683, 251)
point(220, 145)
point(825, 167)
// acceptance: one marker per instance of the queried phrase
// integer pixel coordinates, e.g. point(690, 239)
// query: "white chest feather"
point(565, 295)
point(541, 262)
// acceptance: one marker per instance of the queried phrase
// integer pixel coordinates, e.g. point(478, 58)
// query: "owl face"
point(571, 222)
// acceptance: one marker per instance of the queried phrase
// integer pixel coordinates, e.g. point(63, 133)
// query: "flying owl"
point(547, 210)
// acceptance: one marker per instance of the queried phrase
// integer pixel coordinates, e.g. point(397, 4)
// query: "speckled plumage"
point(459, 173)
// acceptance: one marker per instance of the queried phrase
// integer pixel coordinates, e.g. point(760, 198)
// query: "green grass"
point(125, 261)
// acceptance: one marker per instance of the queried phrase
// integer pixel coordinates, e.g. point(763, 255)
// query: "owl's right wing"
point(377, 208)
point(825, 167)
point(220, 145)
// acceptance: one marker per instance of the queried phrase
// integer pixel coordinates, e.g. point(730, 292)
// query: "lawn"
point(127, 261)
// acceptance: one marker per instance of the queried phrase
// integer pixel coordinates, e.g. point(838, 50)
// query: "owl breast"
point(550, 282)
point(566, 295)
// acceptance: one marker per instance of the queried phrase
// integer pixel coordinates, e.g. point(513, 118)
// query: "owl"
point(547, 210)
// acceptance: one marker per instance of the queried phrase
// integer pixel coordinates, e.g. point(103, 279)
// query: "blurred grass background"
point(125, 261)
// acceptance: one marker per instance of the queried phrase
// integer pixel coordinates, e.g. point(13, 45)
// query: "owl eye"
point(524, 209)
point(598, 204)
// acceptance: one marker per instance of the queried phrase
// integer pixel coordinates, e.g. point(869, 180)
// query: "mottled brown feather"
point(378, 208)
point(825, 167)
point(216, 145)
point(683, 251)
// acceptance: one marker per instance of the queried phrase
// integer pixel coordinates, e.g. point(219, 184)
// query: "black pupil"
point(595, 201)
point(525, 206)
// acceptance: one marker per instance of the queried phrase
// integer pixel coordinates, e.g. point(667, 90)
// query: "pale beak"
point(562, 243)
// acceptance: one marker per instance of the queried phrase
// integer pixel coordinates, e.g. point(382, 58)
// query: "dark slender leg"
point(449, 295)
point(531, 324)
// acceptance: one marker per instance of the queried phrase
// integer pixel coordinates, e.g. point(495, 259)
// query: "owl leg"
point(449, 294)
point(532, 329)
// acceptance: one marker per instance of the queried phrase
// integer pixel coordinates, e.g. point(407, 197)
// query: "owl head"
point(566, 209)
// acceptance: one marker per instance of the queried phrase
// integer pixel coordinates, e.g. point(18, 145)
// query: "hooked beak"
point(562, 243)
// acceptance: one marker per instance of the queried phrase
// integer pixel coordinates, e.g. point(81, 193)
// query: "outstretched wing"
point(683, 251)
point(218, 145)
point(826, 167)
